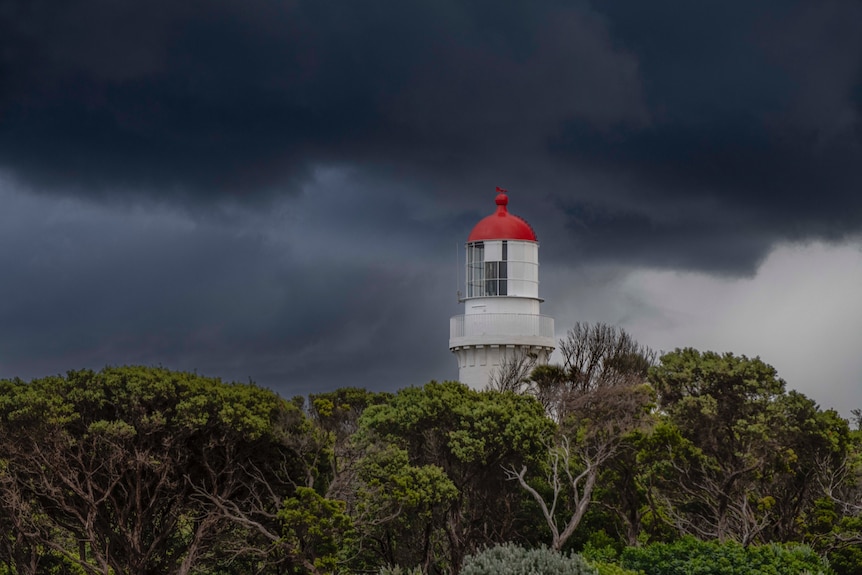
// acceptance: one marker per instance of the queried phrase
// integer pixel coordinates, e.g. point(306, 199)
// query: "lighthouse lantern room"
point(501, 304)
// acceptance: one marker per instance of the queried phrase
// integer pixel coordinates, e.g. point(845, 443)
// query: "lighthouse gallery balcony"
point(501, 329)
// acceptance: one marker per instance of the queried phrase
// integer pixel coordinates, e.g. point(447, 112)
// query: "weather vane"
point(501, 190)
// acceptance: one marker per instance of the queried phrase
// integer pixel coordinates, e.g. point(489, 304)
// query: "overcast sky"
point(275, 190)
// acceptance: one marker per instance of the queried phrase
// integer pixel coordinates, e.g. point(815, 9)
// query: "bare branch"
point(513, 373)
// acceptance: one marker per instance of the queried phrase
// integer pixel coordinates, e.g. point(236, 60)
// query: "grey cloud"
point(103, 285)
point(701, 241)
point(214, 98)
point(275, 190)
point(821, 49)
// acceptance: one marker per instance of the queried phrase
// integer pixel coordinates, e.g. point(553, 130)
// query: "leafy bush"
point(688, 556)
point(315, 528)
point(398, 570)
point(603, 556)
point(613, 569)
point(510, 559)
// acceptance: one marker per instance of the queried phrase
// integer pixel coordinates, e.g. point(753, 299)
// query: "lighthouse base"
point(480, 366)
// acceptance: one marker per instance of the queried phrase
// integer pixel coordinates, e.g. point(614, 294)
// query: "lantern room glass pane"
point(475, 269)
point(491, 278)
point(488, 276)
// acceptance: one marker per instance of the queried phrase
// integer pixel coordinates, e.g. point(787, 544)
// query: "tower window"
point(475, 269)
point(495, 278)
point(487, 278)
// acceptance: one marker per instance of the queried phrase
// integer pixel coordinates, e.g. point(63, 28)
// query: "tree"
point(399, 508)
point(576, 457)
point(547, 384)
point(623, 486)
point(746, 466)
point(598, 397)
point(835, 524)
point(469, 436)
point(141, 470)
point(337, 414)
point(19, 520)
point(597, 356)
point(513, 373)
point(811, 445)
point(314, 530)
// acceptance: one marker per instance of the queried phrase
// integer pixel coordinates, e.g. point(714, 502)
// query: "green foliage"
point(836, 526)
point(612, 569)
point(233, 479)
point(510, 559)
point(837, 535)
point(399, 505)
point(440, 450)
point(718, 401)
point(600, 549)
point(345, 404)
point(144, 469)
point(604, 556)
point(397, 570)
point(391, 482)
point(689, 556)
point(467, 426)
point(315, 528)
point(846, 560)
point(139, 400)
point(337, 412)
point(744, 463)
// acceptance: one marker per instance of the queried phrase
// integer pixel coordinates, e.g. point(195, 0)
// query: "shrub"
point(688, 556)
point(398, 570)
point(613, 569)
point(605, 557)
point(510, 559)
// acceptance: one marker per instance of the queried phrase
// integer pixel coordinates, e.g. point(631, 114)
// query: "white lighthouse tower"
point(501, 303)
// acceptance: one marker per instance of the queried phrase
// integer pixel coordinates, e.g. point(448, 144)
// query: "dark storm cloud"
point(716, 204)
point(274, 189)
point(749, 112)
point(711, 244)
point(754, 138)
point(234, 294)
point(207, 97)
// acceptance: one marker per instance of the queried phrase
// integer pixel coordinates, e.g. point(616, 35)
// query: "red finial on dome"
point(502, 198)
point(502, 225)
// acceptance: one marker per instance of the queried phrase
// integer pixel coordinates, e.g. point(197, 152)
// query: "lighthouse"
point(501, 316)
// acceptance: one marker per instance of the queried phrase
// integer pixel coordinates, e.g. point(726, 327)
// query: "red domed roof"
point(502, 225)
